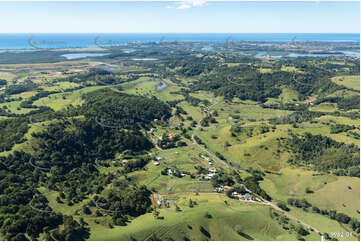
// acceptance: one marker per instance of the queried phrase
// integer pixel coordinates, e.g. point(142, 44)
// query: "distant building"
point(158, 158)
point(156, 163)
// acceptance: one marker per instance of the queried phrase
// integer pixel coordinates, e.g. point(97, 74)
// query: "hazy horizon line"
point(173, 33)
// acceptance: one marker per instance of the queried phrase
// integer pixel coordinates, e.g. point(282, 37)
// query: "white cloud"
point(184, 4)
point(196, 3)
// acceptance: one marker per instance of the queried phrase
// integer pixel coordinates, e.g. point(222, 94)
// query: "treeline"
point(252, 183)
point(99, 76)
point(29, 103)
point(241, 81)
point(324, 154)
point(305, 115)
point(192, 66)
point(19, 88)
point(343, 103)
point(248, 82)
point(12, 132)
point(332, 214)
point(19, 220)
point(190, 99)
point(126, 111)
point(249, 131)
point(221, 178)
point(339, 128)
point(41, 94)
point(296, 117)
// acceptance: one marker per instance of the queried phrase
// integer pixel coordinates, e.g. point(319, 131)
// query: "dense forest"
point(18, 182)
point(246, 82)
point(126, 111)
point(77, 142)
point(12, 132)
point(64, 161)
point(98, 76)
point(324, 154)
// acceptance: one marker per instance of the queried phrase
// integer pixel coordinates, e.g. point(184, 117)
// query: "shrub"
point(283, 206)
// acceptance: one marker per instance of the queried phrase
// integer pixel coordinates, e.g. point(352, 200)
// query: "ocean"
point(32, 41)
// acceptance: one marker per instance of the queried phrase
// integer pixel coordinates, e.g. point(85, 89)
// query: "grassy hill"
point(253, 221)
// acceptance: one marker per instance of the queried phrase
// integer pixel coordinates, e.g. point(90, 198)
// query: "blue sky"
point(192, 16)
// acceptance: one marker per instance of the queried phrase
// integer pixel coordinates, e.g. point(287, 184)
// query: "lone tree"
point(190, 203)
point(207, 215)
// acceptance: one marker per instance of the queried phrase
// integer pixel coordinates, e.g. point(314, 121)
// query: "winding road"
point(263, 201)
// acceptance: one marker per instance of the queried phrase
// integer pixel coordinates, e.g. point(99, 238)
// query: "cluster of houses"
point(158, 158)
point(211, 173)
point(247, 196)
point(209, 160)
point(171, 173)
point(169, 170)
point(236, 195)
point(222, 188)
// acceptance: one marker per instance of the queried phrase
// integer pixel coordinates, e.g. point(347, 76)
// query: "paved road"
point(263, 201)
point(292, 217)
